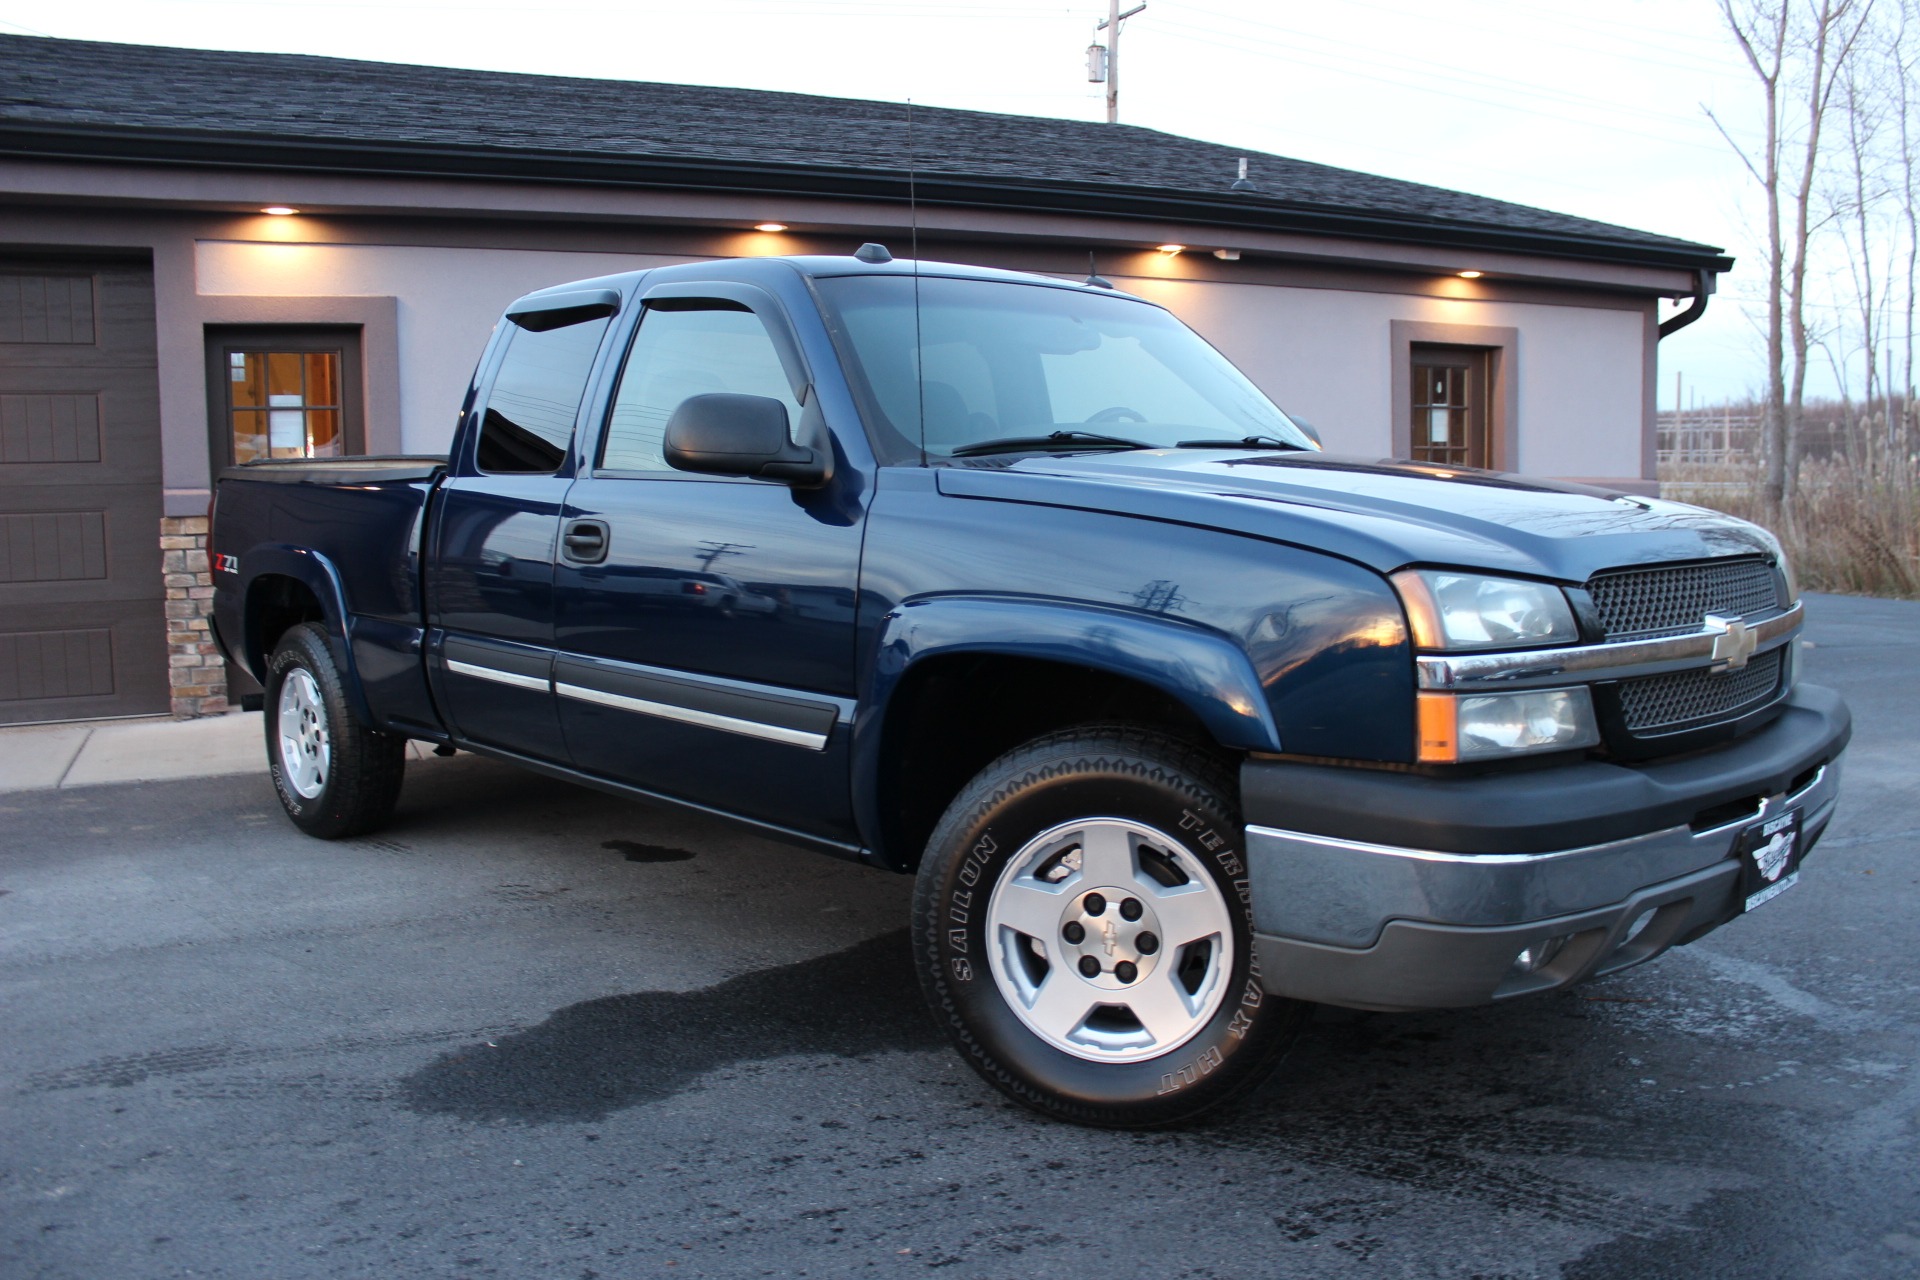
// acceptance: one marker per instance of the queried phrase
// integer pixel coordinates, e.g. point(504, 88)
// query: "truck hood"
point(1383, 514)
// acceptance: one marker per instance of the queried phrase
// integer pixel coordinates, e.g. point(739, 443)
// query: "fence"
point(1710, 437)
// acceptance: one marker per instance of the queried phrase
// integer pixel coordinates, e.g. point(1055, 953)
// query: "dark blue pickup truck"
point(1017, 585)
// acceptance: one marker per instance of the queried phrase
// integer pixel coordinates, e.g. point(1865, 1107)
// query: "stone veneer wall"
point(196, 671)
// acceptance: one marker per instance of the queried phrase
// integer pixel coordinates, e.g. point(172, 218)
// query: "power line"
point(1400, 83)
point(1373, 52)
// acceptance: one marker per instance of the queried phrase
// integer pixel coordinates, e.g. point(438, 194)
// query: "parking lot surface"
point(530, 1030)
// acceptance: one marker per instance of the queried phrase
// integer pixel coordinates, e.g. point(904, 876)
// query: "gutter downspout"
point(1702, 288)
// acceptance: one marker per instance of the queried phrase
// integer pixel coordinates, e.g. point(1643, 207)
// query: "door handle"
point(585, 541)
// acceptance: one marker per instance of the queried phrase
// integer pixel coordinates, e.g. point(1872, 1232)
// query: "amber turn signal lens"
point(1439, 728)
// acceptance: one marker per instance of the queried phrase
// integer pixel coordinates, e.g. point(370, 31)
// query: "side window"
point(681, 353)
point(530, 410)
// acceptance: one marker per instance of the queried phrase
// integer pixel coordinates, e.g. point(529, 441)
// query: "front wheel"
point(1082, 930)
point(335, 777)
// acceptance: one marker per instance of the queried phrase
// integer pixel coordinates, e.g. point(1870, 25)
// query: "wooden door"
point(1450, 389)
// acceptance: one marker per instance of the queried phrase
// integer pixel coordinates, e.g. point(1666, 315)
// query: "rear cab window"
point(528, 425)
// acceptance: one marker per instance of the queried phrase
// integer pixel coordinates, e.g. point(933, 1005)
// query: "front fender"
point(1204, 670)
point(320, 576)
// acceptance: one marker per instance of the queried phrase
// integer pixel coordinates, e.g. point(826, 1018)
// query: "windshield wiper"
point(1245, 442)
point(1052, 440)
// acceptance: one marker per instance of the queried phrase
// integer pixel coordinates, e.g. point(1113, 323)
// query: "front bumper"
point(1380, 890)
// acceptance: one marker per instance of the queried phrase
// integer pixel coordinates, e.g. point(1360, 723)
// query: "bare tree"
point(1797, 50)
point(1859, 197)
point(1903, 428)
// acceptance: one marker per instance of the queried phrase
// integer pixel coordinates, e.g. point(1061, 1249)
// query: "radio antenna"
point(913, 223)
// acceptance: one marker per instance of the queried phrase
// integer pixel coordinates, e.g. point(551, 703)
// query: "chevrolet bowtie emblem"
point(1733, 644)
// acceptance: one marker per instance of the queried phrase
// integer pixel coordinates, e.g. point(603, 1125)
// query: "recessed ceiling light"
point(769, 226)
point(280, 210)
point(1171, 249)
point(1470, 275)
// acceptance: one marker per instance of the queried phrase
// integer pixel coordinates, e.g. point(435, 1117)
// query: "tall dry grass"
point(1848, 528)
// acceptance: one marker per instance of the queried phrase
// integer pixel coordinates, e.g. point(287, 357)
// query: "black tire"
point(355, 791)
point(991, 835)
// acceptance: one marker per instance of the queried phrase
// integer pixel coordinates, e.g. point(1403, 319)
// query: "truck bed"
point(367, 470)
point(349, 532)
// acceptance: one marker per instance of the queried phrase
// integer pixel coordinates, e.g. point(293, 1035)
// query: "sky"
point(1595, 110)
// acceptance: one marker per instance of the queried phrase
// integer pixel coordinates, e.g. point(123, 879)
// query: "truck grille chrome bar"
point(1619, 660)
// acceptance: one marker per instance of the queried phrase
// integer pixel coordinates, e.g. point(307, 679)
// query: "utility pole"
point(1104, 63)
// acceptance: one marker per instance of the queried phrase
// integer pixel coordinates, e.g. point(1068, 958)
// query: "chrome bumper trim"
point(1343, 893)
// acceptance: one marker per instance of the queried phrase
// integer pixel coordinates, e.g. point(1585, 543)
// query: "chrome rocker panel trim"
point(514, 678)
point(688, 715)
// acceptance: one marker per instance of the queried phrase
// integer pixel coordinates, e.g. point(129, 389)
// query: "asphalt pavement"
point(533, 1031)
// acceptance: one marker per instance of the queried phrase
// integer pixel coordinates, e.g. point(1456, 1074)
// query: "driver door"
point(706, 641)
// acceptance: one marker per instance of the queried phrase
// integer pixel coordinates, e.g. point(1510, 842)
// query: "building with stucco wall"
point(156, 324)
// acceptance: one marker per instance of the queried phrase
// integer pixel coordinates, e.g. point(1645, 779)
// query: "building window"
point(1449, 426)
point(279, 393)
point(286, 404)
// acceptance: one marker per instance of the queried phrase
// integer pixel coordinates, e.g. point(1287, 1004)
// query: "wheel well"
point(275, 604)
point(952, 716)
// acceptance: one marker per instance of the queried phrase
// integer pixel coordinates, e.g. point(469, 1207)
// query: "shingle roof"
point(285, 110)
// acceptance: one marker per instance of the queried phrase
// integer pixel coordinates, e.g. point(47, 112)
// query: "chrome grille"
point(1637, 603)
point(1652, 703)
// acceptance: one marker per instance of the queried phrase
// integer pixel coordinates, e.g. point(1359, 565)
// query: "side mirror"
point(726, 434)
point(1308, 430)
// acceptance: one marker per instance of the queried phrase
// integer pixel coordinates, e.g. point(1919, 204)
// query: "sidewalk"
point(92, 753)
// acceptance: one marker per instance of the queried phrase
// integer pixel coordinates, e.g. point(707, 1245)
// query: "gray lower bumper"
point(1378, 927)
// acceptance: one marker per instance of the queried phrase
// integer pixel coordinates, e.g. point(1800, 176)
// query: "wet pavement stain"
point(590, 1059)
point(125, 1070)
point(637, 851)
point(1462, 1109)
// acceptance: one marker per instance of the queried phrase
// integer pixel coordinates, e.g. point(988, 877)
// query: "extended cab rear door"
point(705, 624)
point(490, 604)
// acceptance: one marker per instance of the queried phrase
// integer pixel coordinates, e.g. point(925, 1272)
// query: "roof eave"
point(1227, 210)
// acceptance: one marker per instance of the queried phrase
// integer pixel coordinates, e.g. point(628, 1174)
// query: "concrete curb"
point(100, 752)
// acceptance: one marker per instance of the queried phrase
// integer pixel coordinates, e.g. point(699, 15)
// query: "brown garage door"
point(82, 615)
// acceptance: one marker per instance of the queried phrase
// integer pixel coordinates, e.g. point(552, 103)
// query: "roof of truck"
point(286, 111)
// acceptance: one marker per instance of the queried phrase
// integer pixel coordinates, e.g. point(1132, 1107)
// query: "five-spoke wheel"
point(304, 754)
point(1082, 932)
point(334, 775)
point(1109, 940)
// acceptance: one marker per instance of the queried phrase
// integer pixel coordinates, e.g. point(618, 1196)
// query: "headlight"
point(1482, 726)
point(1455, 611)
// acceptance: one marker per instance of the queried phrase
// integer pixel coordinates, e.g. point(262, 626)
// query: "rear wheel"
point(334, 776)
point(1081, 929)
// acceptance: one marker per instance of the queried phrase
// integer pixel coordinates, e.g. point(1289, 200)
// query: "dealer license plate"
point(1770, 858)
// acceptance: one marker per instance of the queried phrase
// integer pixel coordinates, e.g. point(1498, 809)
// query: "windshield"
point(1006, 362)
